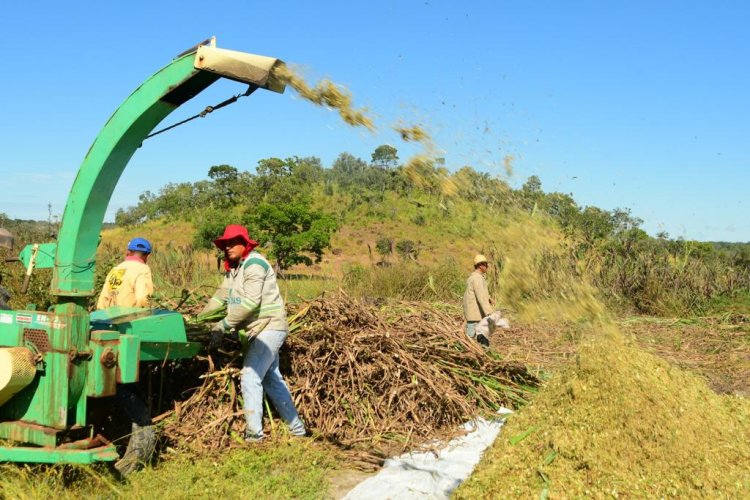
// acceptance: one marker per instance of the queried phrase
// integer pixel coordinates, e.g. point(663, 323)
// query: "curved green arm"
point(165, 91)
point(101, 169)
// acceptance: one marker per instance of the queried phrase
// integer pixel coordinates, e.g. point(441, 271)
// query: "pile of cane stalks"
point(372, 379)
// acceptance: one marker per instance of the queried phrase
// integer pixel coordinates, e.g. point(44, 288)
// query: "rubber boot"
point(143, 434)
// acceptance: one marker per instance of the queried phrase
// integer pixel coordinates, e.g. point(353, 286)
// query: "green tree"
point(269, 173)
point(482, 187)
point(595, 224)
point(229, 185)
point(563, 208)
point(286, 181)
point(210, 225)
point(144, 210)
point(533, 185)
point(623, 220)
point(385, 156)
point(297, 233)
point(224, 174)
point(741, 257)
point(347, 170)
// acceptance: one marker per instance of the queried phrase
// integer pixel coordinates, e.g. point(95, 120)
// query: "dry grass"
point(159, 233)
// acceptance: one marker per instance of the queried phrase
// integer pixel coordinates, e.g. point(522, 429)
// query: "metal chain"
point(209, 109)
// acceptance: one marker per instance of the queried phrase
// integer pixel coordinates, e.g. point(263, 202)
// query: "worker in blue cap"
point(129, 284)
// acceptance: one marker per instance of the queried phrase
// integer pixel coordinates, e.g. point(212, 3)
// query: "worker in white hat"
point(477, 302)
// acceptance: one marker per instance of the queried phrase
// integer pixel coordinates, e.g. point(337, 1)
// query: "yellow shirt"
point(128, 284)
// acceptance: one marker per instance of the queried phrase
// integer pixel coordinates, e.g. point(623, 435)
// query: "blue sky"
point(631, 104)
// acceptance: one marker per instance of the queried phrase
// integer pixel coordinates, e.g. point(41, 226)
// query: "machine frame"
point(77, 354)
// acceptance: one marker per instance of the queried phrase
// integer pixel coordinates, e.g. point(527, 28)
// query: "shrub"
point(407, 249)
point(384, 247)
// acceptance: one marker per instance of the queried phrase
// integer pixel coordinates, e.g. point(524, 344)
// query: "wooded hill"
point(356, 215)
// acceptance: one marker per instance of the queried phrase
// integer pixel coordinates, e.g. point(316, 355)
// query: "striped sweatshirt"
point(252, 296)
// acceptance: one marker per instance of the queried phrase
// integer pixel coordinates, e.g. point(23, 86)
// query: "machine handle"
point(29, 268)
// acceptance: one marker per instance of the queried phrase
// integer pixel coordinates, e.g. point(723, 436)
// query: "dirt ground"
point(716, 348)
point(344, 480)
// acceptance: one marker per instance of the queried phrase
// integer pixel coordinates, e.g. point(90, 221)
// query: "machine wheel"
point(143, 436)
point(4, 297)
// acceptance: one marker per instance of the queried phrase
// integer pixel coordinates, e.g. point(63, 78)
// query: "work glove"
point(233, 335)
point(217, 336)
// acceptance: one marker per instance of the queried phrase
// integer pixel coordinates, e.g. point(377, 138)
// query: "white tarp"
point(431, 475)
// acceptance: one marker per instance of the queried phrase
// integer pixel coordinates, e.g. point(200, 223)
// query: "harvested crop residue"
point(538, 278)
point(415, 133)
point(373, 381)
point(422, 168)
point(508, 164)
point(326, 93)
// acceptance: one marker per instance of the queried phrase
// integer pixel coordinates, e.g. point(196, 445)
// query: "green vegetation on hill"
point(359, 218)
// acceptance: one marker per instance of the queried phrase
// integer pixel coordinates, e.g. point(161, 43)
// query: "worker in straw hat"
point(477, 301)
point(129, 284)
point(254, 304)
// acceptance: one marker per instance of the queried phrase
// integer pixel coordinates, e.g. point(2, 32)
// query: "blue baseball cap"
point(139, 245)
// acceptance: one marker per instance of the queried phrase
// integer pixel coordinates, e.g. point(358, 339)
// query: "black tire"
point(4, 298)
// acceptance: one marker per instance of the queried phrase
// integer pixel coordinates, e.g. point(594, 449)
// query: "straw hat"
point(480, 259)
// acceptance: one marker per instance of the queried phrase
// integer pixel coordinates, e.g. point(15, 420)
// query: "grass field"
point(281, 468)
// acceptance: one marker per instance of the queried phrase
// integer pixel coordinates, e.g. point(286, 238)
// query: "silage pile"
point(620, 422)
point(371, 380)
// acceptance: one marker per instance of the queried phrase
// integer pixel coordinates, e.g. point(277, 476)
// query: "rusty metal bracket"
point(108, 358)
point(84, 355)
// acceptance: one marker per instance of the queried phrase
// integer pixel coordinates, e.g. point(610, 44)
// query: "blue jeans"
point(471, 329)
point(261, 372)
